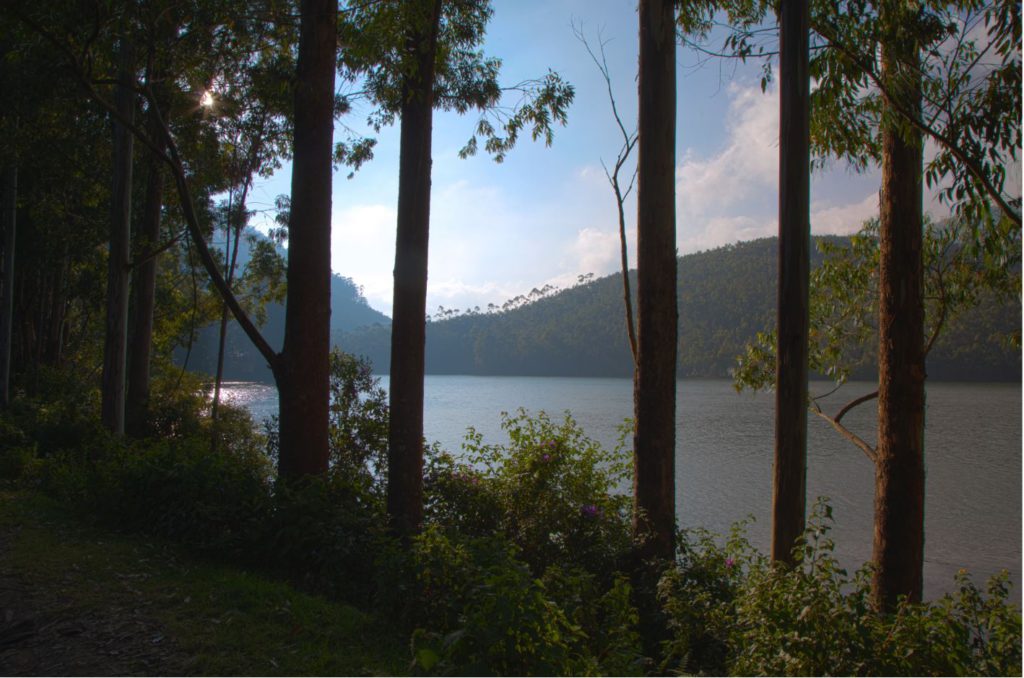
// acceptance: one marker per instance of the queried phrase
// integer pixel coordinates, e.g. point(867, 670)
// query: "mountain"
point(726, 296)
point(349, 311)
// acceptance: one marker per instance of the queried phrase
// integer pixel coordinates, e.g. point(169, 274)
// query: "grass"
point(230, 622)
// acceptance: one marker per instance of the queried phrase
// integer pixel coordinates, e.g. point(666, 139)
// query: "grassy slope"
point(224, 621)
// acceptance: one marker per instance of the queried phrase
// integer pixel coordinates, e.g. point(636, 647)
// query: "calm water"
point(723, 469)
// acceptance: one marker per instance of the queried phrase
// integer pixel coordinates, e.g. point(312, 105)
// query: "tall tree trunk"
point(899, 471)
point(8, 215)
point(302, 372)
point(405, 432)
point(789, 487)
point(116, 342)
point(145, 289)
point(654, 391)
point(231, 259)
point(58, 307)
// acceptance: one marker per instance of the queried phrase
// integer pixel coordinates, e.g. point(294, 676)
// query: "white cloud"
point(729, 196)
point(843, 219)
point(594, 251)
point(746, 165)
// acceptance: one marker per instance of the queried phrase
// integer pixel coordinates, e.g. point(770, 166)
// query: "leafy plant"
point(733, 611)
point(551, 491)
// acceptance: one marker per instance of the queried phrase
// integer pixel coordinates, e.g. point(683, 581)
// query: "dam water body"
point(724, 457)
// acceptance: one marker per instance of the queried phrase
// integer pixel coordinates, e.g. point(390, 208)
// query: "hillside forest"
point(726, 297)
point(132, 135)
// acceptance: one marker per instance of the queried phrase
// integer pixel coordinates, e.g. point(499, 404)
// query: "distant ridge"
point(726, 296)
point(349, 311)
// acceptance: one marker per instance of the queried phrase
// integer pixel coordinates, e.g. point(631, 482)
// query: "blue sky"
point(546, 215)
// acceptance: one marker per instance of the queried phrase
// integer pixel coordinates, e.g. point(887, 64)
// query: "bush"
point(17, 452)
point(731, 610)
point(325, 533)
point(551, 492)
point(181, 489)
point(480, 611)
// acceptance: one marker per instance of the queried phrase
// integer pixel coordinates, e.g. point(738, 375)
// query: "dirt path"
point(46, 630)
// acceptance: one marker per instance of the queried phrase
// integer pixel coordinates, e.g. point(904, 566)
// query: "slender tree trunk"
point(145, 291)
point(58, 303)
point(8, 214)
point(302, 372)
point(231, 258)
point(789, 487)
point(116, 343)
point(408, 327)
point(899, 470)
point(654, 391)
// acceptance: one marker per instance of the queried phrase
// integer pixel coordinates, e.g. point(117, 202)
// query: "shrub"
point(731, 610)
point(551, 492)
point(480, 611)
point(17, 452)
point(183, 490)
point(325, 533)
point(358, 421)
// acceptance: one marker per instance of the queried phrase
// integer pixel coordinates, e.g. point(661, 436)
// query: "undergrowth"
point(522, 565)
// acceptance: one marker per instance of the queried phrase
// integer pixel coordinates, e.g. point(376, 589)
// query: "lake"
point(724, 448)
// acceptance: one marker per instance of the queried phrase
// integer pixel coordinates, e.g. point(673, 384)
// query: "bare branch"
point(867, 449)
point(629, 140)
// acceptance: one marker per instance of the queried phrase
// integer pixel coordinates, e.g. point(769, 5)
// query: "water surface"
point(724, 457)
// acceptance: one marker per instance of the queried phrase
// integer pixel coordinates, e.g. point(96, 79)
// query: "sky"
point(547, 214)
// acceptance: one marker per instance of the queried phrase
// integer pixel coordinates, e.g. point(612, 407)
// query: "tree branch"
point(848, 434)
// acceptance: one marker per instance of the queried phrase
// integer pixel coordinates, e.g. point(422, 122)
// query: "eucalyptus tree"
point(789, 484)
point(408, 330)
point(301, 368)
point(654, 389)
point(115, 348)
point(413, 57)
point(8, 225)
point(958, 85)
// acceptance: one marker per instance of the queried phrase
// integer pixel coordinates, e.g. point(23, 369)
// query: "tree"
point(412, 57)
point(789, 486)
point(899, 469)
point(144, 285)
point(8, 219)
point(869, 110)
point(303, 370)
point(405, 435)
point(655, 384)
point(115, 350)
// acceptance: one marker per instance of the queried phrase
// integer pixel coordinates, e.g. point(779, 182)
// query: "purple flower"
point(545, 458)
point(729, 562)
point(550, 443)
point(590, 511)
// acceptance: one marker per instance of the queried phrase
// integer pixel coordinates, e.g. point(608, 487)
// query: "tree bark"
point(145, 290)
point(405, 432)
point(302, 372)
point(8, 213)
point(789, 486)
point(116, 341)
point(899, 471)
point(654, 391)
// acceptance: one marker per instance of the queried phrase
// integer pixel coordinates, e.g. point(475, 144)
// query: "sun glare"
point(206, 101)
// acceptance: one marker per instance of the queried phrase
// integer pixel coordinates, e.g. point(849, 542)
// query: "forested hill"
point(349, 310)
point(726, 296)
